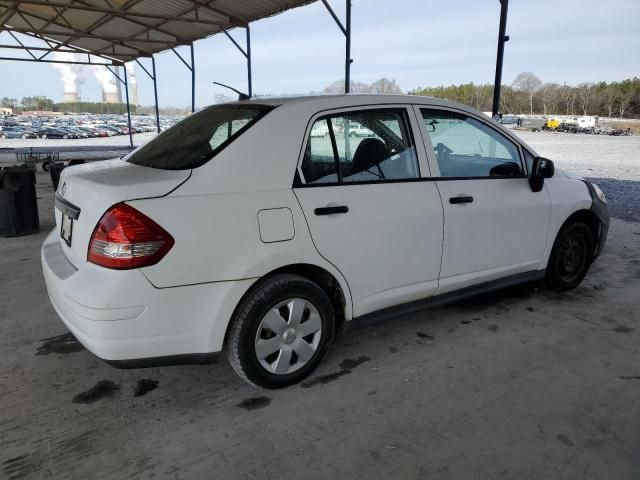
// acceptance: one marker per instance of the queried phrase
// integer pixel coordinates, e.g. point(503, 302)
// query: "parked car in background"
point(357, 130)
point(16, 132)
point(50, 132)
point(288, 237)
point(319, 131)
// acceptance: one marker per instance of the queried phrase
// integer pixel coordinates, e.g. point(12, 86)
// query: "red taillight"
point(126, 238)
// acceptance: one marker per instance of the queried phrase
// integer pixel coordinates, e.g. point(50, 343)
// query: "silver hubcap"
point(288, 336)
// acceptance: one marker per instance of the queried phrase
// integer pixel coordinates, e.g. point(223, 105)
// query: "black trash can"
point(18, 202)
point(55, 168)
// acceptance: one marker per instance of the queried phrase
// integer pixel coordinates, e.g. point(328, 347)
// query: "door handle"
point(331, 210)
point(461, 199)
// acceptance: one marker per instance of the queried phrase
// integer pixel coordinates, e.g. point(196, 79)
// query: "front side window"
point(193, 141)
point(363, 146)
point(465, 147)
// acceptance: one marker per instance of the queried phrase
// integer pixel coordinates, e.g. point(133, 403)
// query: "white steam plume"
point(71, 75)
point(106, 79)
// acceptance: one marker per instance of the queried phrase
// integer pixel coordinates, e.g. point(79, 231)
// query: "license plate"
point(66, 228)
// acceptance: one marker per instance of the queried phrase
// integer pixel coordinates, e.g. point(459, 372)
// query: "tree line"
point(528, 94)
point(46, 104)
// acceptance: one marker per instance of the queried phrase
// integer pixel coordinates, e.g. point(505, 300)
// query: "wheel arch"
point(588, 218)
point(329, 284)
point(336, 290)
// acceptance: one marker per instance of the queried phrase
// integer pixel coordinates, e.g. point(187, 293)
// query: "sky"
point(415, 42)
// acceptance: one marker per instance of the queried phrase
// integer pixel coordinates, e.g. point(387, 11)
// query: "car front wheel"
point(571, 257)
point(280, 331)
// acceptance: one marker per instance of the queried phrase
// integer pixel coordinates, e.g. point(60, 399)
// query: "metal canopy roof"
point(123, 30)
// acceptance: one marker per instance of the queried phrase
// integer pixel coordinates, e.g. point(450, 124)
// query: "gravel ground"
point(611, 162)
point(598, 156)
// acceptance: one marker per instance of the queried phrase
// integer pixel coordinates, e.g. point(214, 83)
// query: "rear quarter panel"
point(217, 238)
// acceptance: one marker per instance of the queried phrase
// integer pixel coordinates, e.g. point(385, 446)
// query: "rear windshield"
point(195, 140)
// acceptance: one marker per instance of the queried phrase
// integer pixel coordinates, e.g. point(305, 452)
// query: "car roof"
point(328, 101)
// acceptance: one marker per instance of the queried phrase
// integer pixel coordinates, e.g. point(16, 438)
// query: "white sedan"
point(238, 231)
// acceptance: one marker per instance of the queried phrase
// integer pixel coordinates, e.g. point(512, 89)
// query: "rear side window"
point(362, 146)
point(198, 138)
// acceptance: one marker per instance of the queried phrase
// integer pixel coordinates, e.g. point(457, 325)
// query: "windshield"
point(193, 141)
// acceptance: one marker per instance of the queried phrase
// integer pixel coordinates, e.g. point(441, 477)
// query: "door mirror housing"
point(542, 168)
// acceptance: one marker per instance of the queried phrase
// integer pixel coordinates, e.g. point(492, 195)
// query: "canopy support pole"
point(123, 80)
point(126, 92)
point(193, 81)
point(192, 69)
point(502, 38)
point(152, 76)
point(346, 30)
point(249, 79)
point(348, 60)
point(247, 54)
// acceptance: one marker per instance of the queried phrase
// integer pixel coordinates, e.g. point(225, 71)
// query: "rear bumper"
point(121, 317)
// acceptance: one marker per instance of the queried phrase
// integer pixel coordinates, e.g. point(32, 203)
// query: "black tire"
point(571, 257)
point(45, 165)
point(263, 297)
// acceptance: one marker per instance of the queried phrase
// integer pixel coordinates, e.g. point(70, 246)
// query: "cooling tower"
point(70, 97)
point(110, 97)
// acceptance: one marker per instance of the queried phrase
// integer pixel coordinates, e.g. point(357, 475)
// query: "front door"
point(495, 225)
point(369, 213)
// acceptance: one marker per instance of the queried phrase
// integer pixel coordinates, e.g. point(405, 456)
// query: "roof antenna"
point(241, 96)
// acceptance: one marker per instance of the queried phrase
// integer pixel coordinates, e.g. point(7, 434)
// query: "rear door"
point(368, 209)
point(495, 225)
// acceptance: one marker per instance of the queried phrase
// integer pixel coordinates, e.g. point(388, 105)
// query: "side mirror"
point(542, 168)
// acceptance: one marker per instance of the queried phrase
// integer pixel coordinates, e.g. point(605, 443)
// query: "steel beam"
point(225, 18)
point(502, 38)
point(55, 45)
point(114, 40)
point(39, 60)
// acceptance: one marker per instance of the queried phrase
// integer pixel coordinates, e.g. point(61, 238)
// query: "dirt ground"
point(523, 384)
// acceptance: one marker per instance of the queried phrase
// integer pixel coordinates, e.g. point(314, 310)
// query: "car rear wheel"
point(571, 257)
point(280, 331)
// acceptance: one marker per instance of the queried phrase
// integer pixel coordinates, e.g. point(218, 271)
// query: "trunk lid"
point(93, 188)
